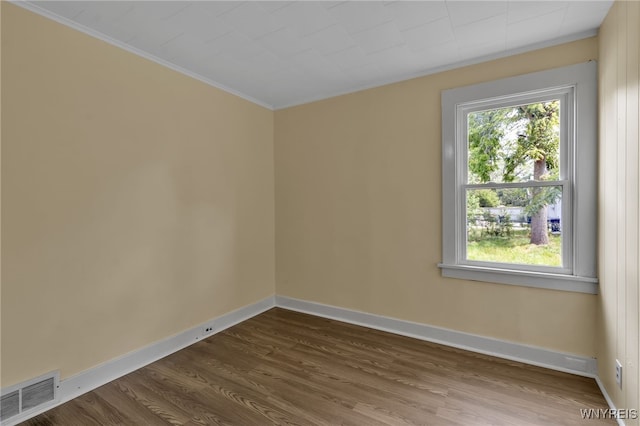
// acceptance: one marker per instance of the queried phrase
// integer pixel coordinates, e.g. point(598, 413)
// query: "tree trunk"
point(539, 234)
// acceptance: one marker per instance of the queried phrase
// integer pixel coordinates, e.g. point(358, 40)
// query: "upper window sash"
point(566, 96)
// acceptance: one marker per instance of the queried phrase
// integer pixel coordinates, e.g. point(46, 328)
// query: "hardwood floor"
point(284, 367)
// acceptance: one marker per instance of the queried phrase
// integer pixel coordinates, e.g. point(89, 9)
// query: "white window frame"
point(576, 87)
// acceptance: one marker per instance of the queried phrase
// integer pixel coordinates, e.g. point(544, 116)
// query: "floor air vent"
point(10, 405)
point(28, 396)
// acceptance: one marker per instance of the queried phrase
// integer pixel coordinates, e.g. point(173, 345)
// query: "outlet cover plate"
point(619, 374)
point(208, 329)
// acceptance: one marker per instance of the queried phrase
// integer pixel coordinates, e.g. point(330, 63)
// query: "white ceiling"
point(283, 53)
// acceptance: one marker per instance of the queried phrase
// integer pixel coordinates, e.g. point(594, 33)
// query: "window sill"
point(522, 278)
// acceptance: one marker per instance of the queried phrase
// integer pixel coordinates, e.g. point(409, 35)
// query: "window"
point(519, 180)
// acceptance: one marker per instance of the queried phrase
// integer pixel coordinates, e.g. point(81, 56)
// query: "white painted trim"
point(607, 398)
point(102, 374)
point(485, 58)
point(88, 380)
point(577, 84)
point(572, 283)
point(107, 39)
point(448, 67)
point(97, 376)
point(568, 363)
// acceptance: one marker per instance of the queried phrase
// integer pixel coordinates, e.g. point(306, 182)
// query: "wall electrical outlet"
point(619, 374)
point(207, 329)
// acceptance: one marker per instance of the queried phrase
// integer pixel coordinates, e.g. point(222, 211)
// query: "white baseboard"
point(612, 406)
point(569, 363)
point(88, 380)
point(97, 376)
point(102, 374)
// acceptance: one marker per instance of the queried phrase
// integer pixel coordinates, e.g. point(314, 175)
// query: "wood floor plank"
point(283, 367)
point(128, 406)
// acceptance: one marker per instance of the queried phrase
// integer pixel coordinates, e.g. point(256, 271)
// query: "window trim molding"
point(580, 274)
point(567, 98)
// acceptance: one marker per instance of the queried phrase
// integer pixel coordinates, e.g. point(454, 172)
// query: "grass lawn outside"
point(515, 249)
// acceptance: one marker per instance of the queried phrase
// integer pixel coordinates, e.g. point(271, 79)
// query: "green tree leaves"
point(540, 141)
point(517, 144)
point(486, 131)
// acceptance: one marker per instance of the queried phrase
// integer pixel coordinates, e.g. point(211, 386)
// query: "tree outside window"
point(505, 145)
point(518, 182)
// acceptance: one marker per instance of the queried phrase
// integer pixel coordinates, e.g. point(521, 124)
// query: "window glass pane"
point(515, 225)
point(514, 144)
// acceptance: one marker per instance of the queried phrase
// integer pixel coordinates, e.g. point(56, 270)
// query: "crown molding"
point(110, 40)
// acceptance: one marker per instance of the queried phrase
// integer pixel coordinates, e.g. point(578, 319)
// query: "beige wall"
point(136, 202)
point(618, 304)
point(358, 212)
